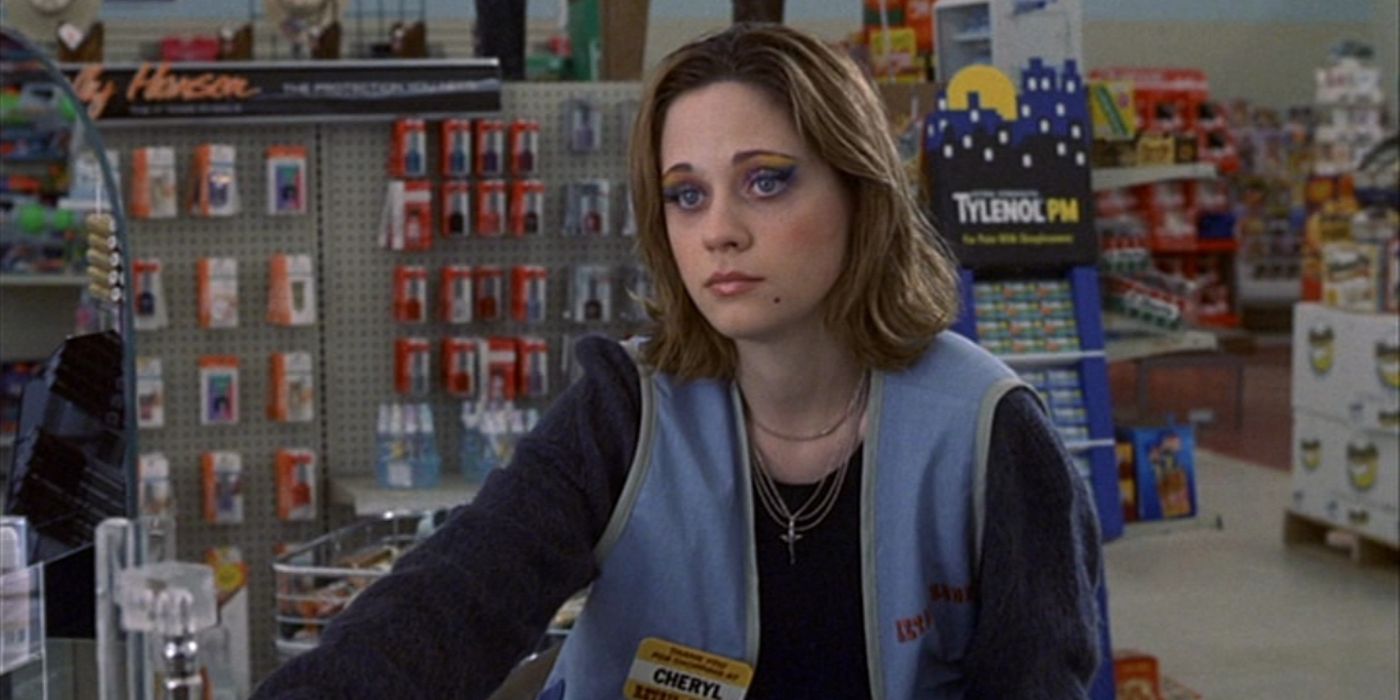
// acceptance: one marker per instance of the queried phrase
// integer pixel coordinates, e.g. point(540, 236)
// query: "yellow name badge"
point(667, 671)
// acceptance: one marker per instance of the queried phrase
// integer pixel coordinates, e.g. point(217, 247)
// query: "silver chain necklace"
point(840, 421)
point(819, 505)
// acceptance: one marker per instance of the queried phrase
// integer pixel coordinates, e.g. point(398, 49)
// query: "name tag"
point(667, 671)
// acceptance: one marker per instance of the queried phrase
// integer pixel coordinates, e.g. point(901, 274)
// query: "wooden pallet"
point(1363, 549)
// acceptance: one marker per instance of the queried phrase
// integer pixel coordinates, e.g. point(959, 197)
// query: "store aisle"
point(1232, 613)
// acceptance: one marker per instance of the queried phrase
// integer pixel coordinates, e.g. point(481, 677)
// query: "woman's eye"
point(770, 182)
point(686, 197)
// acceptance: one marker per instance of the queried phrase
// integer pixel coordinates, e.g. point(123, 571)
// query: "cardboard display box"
point(1346, 366)
point(1164, 465)
point(1347, 476)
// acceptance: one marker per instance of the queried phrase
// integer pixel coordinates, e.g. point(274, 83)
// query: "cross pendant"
point(791, 538)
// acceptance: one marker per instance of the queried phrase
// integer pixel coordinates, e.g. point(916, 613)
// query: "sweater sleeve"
point(463, 606)
point(1037, 630)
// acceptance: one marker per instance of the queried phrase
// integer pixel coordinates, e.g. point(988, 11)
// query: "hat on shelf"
point(40, 19)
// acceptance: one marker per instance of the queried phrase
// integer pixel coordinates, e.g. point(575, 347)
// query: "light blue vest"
point(677, 558)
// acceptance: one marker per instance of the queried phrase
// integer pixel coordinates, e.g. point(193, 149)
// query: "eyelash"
point(781, 176)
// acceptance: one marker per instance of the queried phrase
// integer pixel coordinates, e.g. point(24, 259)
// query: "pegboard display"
point(251, 237)
point(358, 273)
point(352, 343)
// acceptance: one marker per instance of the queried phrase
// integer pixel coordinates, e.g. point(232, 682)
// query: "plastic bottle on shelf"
point(396, 468)
point(428, 470)
point(473, 447)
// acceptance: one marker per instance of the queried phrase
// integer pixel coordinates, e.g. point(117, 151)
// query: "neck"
point(797, 385)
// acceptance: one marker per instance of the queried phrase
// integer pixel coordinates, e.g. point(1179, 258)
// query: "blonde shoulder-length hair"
point(899, 286)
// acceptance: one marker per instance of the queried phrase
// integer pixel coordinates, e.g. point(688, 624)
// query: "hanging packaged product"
point(489, 285)
point(587, 211)
point(590, 294)
point(154, 496)
point(490, 148)
point(231, 585)
point(411, 365)
point(407, 454)
point(583, 126)
point(408, 157)
point(223, 487)
point(286, 180)
point(296, 484)
point(456, 147)
point(502, 369)
point(217, 292)
point(528, 285)
point(460, 362)
point(526, 208)
point(490, 208)
point(291, 290)
point(218, 390)
point(534, 367)
point(153, 183)
point(149, 295)
point(411, 294)
point(524, 147)
point(636, 289)
point(627, 111)
point(150, 393)
point(456, 209)
point(455, 294)
point(216, 181)
point(88, 189)
point(293, 398)
point(406, 221)
point(629, 213)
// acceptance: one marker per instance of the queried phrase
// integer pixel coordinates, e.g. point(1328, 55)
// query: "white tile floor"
point(1232, 613)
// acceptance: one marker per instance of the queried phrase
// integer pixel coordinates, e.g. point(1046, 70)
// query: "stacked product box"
point(1022, 318)
point(1346, 419)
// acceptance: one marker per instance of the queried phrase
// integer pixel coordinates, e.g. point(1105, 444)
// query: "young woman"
point(799, 470)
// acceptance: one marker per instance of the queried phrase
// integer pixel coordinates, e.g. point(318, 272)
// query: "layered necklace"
point(795, 523)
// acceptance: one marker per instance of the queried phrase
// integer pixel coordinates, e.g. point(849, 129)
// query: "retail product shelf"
point(1201, 521)
point(1131, 339)
point(21, 279)
point(969, 37)
point(1086, 445)
point(368, 498)
point(1115, 178)
point(1049, 359)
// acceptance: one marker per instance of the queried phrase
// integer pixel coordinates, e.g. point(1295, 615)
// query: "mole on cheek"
point(777, 300)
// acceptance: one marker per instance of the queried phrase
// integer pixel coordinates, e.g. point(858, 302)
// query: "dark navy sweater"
point(464, 606)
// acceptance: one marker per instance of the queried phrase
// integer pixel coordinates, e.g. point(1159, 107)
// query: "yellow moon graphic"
point(994, 89)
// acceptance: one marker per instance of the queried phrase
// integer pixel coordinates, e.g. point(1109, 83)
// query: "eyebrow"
point(739, 157)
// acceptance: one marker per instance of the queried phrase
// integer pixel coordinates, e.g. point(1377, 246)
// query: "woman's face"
point(758, 224)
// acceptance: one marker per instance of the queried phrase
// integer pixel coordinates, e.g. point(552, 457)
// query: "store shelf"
point(21, 279)
point(1049, 359)
point(1086, 445)
point(1132, 339)
point(971, 37)
point(1197, 247)
point(368, 498)
point(1202, 521)
point(1115, 178)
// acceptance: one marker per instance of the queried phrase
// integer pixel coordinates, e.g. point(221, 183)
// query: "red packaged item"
point(489, 289)
point(455, 294)
point(490, 207)
point(411, 376)
point(526, 208)
point(460, 360)
point(527, 293)
point(490, 147)
point(502, 382)
point(418, 215)
point(456, 147)
point(411, 294)
point(524, 147)
point(409, 155)
point(456, 209)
